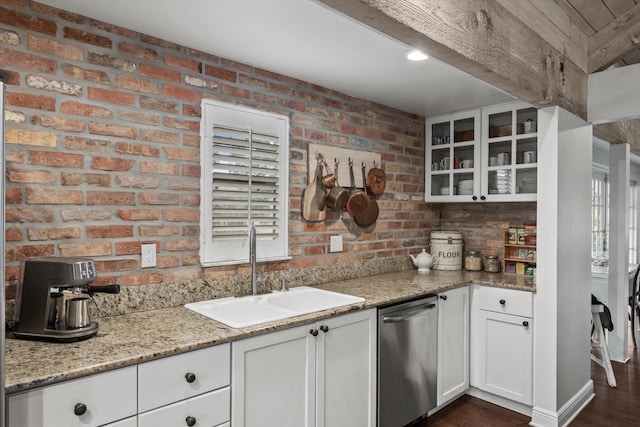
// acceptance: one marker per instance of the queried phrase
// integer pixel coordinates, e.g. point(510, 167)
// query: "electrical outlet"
point(148, 252)
point(336, 244)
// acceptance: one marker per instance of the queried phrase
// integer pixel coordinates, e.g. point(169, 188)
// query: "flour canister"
point(447, 247)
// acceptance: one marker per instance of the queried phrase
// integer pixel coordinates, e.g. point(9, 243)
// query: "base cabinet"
point(187, 388)
point(453, 344)
point(321, 374)
point(504, 343)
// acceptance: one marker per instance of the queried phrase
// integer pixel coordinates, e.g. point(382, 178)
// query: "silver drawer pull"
point(409, 315)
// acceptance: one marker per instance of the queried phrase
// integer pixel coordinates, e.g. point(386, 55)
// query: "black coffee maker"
point(52, 301)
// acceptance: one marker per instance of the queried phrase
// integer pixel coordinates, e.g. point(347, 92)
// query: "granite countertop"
point(137, 337)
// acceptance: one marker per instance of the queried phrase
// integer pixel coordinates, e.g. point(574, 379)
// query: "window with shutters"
point(244, 157)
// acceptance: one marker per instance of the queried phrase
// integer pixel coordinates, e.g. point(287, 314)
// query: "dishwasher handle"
point(408, 315)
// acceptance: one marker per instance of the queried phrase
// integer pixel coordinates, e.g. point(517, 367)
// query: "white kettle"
point(424, 261)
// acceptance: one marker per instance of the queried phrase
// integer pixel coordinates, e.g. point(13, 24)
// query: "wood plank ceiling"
point(598, 18)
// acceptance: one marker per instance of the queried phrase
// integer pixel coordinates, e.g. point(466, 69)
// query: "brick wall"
point(103, 150)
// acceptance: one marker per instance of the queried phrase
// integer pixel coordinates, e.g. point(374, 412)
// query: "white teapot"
point(424, 261)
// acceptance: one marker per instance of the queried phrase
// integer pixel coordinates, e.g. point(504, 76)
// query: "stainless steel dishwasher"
point(407, 361)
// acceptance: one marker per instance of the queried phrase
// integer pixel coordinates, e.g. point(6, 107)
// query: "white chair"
point(598, 341)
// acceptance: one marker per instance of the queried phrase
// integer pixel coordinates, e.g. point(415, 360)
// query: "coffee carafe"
point(52, 301)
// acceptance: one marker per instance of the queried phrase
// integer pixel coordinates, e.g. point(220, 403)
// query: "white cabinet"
point(346, 375)
point(273, 379)
point(482, 155)
point(509, 152)
point(452, 157)
point(453, 344)
point(321, 374)
point(187, 389)
point(96, 400)
point(503, 343)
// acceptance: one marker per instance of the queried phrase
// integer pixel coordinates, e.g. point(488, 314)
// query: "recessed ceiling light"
point(416, 55)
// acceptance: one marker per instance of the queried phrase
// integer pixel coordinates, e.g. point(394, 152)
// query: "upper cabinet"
point(510, 152)
point(483, 155)
point(453, 157)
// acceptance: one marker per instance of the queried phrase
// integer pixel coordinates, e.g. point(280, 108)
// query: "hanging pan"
point(370, 215)
point(358, 201)
point(338, 196)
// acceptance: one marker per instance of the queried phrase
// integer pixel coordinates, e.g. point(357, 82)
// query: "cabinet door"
point(506, 355)
point(509, 152)
point(346, 391)
point(453, 344)
point(452, 157)
point(273, 379)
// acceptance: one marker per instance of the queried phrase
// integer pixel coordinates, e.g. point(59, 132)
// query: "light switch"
point(336, 244)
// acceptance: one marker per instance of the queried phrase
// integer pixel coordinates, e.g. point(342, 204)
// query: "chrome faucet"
point(255, 280)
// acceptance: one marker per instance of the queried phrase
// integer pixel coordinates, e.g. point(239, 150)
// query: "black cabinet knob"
point(191, 421)
point(474, 198)
point(483, 198)
point(443, 297)
point(525, 324)
point(190, 377)
point(324, 328)
point(80, 409)
point(314, 332)
point(502, 302)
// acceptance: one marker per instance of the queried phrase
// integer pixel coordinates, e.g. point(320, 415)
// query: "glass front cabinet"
point(452, 157)
point(483, 155)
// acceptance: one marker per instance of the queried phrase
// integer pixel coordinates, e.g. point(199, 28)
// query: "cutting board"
point(313, 201)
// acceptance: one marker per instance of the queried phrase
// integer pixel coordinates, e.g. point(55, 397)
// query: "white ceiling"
point(301, 39)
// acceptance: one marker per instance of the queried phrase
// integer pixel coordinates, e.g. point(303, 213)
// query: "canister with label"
point(446, 246)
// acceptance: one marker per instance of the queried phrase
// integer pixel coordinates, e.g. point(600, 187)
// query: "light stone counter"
point(137, 337)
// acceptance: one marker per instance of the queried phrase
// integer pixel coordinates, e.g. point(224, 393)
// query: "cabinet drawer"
point(210, 409)
point(179, 377)
point(508, 301)
point(108, 397)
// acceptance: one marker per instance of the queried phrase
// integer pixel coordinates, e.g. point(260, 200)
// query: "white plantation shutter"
point(244, 182)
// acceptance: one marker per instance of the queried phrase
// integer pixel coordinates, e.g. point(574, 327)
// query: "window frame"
point(235, 250)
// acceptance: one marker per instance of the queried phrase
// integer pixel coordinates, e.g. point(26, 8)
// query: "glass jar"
point(473, 261)
point(491, 264)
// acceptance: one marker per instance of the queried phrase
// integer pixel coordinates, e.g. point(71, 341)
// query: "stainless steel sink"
point(241, 312)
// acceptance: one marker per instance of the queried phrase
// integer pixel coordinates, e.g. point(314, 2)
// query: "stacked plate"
point(465, 187)
point(528, 185)
point(500, 182)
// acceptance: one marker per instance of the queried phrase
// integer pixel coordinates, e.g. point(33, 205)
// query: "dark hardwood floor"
point(612, 407)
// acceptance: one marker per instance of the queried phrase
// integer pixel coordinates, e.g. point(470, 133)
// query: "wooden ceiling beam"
point(483, 39)
point(614, 41)
point(622, 132)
